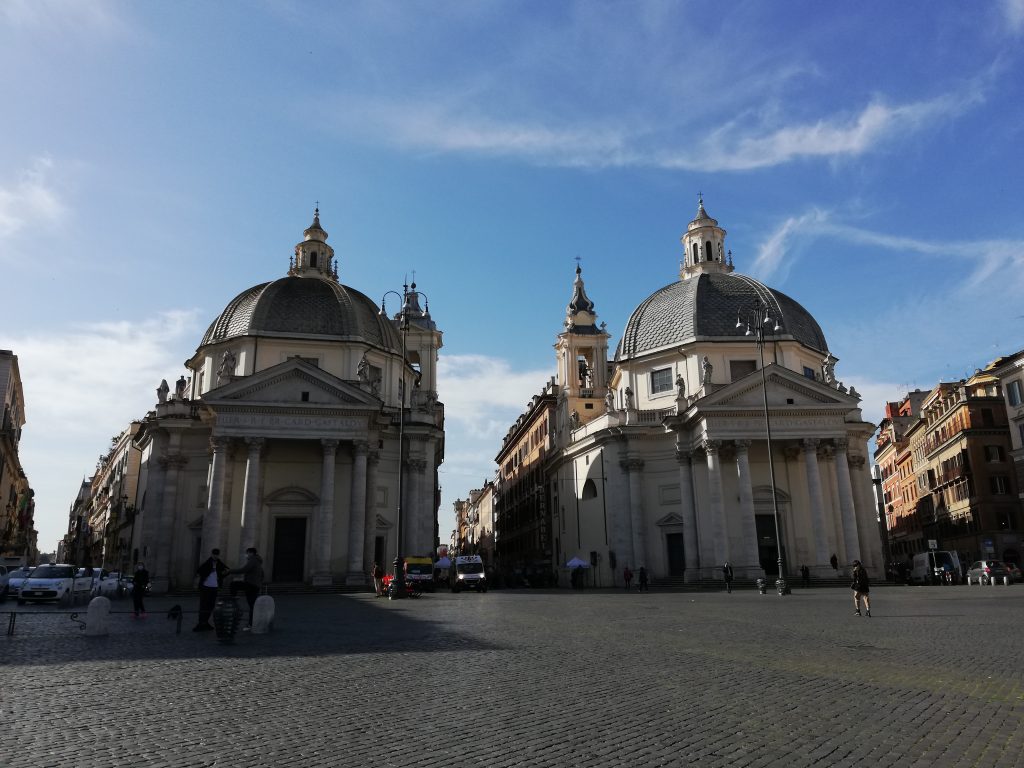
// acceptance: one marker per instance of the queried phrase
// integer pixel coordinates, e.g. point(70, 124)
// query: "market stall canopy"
point(444, 562)
point(577, 563)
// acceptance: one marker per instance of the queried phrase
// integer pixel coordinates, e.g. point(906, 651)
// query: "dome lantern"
point(703, 246)
point(313, 256)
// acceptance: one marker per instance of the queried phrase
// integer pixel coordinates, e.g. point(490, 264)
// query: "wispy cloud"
point(50, 15)
point(30, 198)
point(1013, 11)
point(86, 384)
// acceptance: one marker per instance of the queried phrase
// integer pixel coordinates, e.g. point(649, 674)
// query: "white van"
point(468, 573)
point(936, 567)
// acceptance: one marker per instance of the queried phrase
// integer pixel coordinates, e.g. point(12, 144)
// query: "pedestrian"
point(211, 573)
point(805, 573)
point(727, 575)
point(378, 579)
point(251, 582)
point(835, 562)
point(139, 583)
point(860, 587)
point(641, 578)
point(627, 576)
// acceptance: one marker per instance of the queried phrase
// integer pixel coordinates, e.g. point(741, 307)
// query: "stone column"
point(370, 524)
point(720, 532)
point(866, 516)
point(357, 515)
point(229, 479)
point(250, 523)
point(172, 462)
point(846, 503)
point(688, 511)
point(748, 522)
point(413, 510)
point(323, 526)
point(821, 554)
point(215, 496)
point(633, 465)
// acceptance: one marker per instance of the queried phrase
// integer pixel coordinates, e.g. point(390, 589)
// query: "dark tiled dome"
point(706, 306)
point(304, 306)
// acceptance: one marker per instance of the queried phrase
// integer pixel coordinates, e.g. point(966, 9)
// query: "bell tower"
point(582, 353)
point(704, 246)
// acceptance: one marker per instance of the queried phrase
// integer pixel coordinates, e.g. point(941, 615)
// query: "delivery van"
point(419, 571)
point(935, 567)
point(468, 573)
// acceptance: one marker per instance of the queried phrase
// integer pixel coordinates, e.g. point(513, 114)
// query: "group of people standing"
point(213, 571)
point(641, 579)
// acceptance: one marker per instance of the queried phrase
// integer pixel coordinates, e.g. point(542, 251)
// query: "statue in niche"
point(363, 370)
point(609, 400)
point(161, 391)
point(179, 388)
point(680, 387)
point(708, 369)
point(574, 420)
point(628, 396)
point(227, 366)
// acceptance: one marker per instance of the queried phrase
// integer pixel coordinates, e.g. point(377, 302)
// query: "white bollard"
point(263, 615)
point(1006, 581)
point(97, 618)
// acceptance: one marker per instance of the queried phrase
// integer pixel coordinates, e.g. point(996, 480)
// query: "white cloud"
point(1013, 12)
point(82, 387)
point(52, 15)
point(30, 198)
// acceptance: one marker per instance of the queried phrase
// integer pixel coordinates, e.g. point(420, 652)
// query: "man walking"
point(727, 575)
point(252, 579)
point(139, 583)
point(210, 572)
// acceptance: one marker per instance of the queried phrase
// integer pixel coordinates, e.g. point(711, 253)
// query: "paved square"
point(534, 678)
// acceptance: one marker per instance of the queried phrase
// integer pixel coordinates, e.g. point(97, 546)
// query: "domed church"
point(309, 428)
point(719, 413)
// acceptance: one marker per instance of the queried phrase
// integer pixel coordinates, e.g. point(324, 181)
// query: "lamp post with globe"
point(757, 320)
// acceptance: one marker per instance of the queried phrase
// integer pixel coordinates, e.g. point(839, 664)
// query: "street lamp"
point(757, 319)
point(397, 587)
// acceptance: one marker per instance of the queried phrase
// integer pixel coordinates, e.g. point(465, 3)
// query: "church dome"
point(305, 307)
point(707, 307)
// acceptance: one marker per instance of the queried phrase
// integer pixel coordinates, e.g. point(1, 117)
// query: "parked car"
point(15, 578)
point(106, 585)
point(1016, 574)
point(56, 583)
point(988, 571)
point(126, 584)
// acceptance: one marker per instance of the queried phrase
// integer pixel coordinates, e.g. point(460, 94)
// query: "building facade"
point(17, 502)
point(717, 432)
point(1009, 371)
point(308, 426)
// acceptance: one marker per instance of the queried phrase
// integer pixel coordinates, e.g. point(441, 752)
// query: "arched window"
point(589, 490)
point(312, 259)
point(709, 252)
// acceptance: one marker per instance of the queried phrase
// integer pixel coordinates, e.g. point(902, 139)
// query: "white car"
point(15, 578)
point(57, 583)
point(107, 584)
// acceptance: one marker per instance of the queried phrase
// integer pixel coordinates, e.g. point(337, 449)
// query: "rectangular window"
point(661, 381)
point(1014, 393)
point(739, 369)
point(993, 453)
point(999, 484)
point(987, 419)
point(809, 373)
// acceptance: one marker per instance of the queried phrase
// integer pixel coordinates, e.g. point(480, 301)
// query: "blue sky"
point(158, 158)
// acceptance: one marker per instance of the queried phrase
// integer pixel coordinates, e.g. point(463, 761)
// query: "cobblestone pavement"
point(533, 678)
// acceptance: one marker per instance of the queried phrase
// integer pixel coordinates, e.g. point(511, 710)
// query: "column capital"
point(417, 465)
point(330, 445)
point(711, 446)
point(841, 444)
point(173, 461)
point(219, 443)
point(810, 444)
point(632, 464)
point(683, 455)
point(360, 448)
point(372, 457)
point(828, 452)
point(857, 462)
point(742, 446)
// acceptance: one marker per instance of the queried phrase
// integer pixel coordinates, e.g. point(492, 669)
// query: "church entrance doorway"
point(289, 549)
point(676, 554)
point(767, 548)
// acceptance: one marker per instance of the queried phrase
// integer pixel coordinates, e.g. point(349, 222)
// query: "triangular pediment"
point(670, 519)
point(784, 388)
point(293, 382)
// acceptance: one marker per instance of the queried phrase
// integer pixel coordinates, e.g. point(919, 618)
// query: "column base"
point(322, 580)
point(356, 580)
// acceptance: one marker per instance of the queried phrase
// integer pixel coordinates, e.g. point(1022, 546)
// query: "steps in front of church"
point(296, 588)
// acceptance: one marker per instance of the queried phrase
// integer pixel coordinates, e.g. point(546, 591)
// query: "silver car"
point(15, 578)
point(988, 572)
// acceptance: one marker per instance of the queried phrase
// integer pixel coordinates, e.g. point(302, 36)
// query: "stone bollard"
point(97, 617)
point(263, 615)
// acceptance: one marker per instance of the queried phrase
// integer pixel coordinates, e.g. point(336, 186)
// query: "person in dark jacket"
point(252, 579)
point(860, 587)
point(211, 573)
point(139, 583)
point(641, 578)
point(727, 575)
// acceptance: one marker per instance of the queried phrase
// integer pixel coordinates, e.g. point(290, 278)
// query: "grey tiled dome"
point(707, 306)
point(304, 306)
